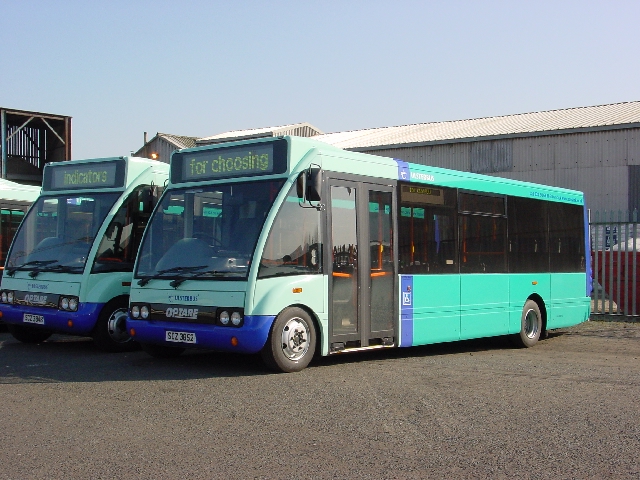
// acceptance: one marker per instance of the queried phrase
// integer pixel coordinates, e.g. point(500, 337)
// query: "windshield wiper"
point(11, 271)
point(144, 280)
point(181, 279)
point(55, 268)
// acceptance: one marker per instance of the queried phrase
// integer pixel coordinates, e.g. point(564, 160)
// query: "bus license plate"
point(29, 318)
point(181, 337)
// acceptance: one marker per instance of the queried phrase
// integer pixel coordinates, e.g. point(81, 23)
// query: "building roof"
point(298, 129)
point(618, 115)
point(179, 141)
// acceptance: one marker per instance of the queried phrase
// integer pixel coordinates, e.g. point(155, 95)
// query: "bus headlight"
point(68, 304)
point(230, 317)
point(6, 296)
point(73, 304)
point(135, 311)
point(144, 312)
point(236, 318)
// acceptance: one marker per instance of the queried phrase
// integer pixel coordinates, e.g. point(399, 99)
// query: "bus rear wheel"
point(530, 325)
point(27, 334)
point(292, 341)
point(110, 333)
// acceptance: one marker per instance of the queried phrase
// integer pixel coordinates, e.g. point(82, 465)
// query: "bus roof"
point(18, 192)
point(302, 152)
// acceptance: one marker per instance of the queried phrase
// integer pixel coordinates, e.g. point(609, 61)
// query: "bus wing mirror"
point(148, 197)
point(309, 184)
point(314, 184)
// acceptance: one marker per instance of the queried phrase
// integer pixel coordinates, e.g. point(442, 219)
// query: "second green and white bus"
point(70, 264)
point(291, 247)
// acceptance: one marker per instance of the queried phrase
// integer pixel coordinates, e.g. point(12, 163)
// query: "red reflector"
point(234, 341)
point(126, 284)
point(132, 332)
point(70, 323)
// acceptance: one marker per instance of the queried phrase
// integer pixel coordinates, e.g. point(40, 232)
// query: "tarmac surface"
point(566, 408)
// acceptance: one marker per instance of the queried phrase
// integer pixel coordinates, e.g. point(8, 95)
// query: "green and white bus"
point(292, 247)
point(15, 200)
point(70, 264)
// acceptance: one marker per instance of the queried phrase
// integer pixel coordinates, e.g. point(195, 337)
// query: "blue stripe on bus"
point(82, 321)
point(403, 170)
point(406, 310)
point(251, 337)
point(587, 240)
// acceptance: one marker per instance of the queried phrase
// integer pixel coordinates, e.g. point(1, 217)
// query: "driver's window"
point(117, 249)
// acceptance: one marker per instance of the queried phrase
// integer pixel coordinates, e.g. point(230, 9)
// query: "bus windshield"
point(209, 231)
point(58, 231)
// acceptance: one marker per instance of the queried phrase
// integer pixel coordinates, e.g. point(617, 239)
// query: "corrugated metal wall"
point(600, 163)
point(301, 131)
point(160, 146)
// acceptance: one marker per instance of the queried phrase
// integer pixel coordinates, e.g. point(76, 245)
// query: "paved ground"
point(567, 408)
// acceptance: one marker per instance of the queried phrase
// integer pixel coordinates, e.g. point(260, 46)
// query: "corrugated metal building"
point(163, 145)
point(593, 149)
point(297, 129)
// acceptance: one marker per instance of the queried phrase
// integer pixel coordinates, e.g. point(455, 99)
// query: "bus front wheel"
point(27, 334)
point(292, 341)
point(530, 325)
point(110, 333)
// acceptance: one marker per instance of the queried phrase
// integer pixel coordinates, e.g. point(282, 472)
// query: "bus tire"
point(26, 334)
point(292, 341)
point(530, 325)
point(162, 351)
point(110, 332)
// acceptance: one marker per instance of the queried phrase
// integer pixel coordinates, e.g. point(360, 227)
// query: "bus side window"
point(483, 233)
point(293, 246)
point(427, 230)
point(566, 237)
point(528, 246)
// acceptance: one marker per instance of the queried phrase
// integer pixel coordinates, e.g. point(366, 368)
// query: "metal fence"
point(615, 263)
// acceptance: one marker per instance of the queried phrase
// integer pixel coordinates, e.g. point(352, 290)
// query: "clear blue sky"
point(198, 68)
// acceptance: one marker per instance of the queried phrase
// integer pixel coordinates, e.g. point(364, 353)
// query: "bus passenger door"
point(362, 270)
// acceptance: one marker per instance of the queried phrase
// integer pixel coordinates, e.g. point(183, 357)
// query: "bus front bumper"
point(250, 338)
point(80, 322)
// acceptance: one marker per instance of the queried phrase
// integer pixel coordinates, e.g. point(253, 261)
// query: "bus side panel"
point(521, 287)
point(484, 305)
point(568, 305)
point(102, 287)
point(436, 309)
point(272, 295)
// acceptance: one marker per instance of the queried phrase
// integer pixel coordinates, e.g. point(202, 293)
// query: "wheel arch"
point(109, 332)
point(543, 309)
point(117, 299)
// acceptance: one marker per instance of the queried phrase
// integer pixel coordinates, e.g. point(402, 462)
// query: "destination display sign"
point(420, 194)
point(71, 176)
point(213, 163)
